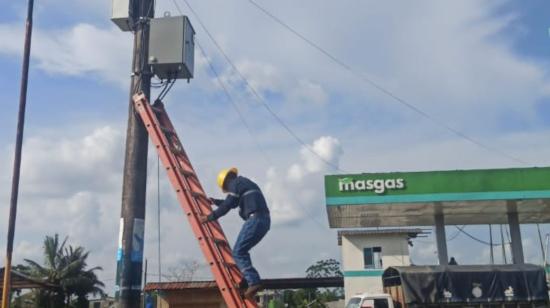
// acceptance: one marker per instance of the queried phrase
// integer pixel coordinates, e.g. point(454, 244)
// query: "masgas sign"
point(379, 186)
point(515, 183)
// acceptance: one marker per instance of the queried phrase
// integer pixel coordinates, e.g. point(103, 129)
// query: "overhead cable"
point(234, 104)
point(254, 91)
point(158, 221)
point(475, 238)
point(250, 131)
point(382, 89)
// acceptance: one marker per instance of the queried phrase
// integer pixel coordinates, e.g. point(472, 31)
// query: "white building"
point(366, 253)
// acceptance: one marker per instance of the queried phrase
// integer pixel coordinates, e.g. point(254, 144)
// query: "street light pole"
point(17, 158)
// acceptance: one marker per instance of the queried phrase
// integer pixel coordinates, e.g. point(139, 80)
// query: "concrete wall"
point(357, 279)
point(196, 298)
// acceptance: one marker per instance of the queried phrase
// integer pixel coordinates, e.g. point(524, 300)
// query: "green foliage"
point(316, 298)
point(66, 269)
point(324, 268)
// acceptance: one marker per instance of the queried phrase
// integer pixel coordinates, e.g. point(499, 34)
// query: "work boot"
point(252, 290)
point(243, 285)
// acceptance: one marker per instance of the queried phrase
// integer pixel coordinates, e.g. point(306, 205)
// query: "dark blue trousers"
point(252, 232)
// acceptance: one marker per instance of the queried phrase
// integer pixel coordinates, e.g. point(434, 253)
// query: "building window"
point(372, 257)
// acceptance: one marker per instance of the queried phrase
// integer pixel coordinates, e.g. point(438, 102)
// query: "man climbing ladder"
point(245, 194)
point(197, 206)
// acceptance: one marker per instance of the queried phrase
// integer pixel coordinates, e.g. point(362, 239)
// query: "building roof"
point(464, 197)
point(409, 232)
point(180, 285)
point(302, 283)
point(270, 284)
point(22, 281)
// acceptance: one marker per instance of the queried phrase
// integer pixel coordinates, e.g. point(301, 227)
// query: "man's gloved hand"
point(212, 200)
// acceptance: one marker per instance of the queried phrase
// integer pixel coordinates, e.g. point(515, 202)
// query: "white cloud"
point(423, 253)
point(83, 49)
point(295, 195)
point(70, 187)
point(267, 79)
point(55, 167)
point(307, 91)
point(452, 60)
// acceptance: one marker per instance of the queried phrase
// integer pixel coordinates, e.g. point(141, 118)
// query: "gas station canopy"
point(464, 197)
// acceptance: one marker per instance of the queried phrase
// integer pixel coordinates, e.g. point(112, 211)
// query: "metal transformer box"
point(172, 47)
point(121, 14)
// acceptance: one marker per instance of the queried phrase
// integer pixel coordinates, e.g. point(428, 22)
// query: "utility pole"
point(17, 160)
point(130, 250)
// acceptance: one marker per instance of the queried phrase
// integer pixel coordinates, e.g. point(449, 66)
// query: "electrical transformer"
point(172, 47)
point(121, 14)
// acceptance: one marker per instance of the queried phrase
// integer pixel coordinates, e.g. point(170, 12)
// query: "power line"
point(454, 236)
point(239, 112)
point(382, 89)
point(475, 238)
point(253, 90)
point(450, 238)
point(142, 69)
point(492, 256)
point(237, 109)
point(234, 104)
point(503, 246)
point(158, 218)
point(541, 243)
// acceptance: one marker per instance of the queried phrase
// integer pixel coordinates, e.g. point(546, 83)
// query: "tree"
point(65, 268)
point(185, 272)
point(316, 298)
point(324, 268)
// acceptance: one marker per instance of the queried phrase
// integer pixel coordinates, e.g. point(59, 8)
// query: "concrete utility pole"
point(17, 160)
point(130, 250)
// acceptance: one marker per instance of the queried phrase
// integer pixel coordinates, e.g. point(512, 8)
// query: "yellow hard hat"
point(223, 175)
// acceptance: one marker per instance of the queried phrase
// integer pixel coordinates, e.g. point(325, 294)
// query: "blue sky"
point(479, 67)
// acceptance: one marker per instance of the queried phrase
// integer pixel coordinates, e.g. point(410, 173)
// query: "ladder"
point(193, 201)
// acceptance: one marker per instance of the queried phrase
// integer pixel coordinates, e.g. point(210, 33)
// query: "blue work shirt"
point(242, 193)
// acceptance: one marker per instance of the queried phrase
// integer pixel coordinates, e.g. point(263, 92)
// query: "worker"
point(453, 261)
point(245, 194)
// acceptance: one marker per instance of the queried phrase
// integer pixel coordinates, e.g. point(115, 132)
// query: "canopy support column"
point(515, 234)
point(441, 239)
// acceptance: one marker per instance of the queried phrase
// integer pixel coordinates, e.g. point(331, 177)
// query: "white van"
point(370, 301)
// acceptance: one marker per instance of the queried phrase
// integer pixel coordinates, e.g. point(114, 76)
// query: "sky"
point(478, 67)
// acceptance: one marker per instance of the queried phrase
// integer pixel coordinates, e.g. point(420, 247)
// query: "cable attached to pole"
point(492, 257)
point(541, 243)
point(503, 245)
point(475, 238)
point(158, 220)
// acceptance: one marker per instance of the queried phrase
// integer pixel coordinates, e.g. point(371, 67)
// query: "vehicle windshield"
point(354, 303)
point(381, 303)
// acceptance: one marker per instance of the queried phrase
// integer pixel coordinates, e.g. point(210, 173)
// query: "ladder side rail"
point(216, 232)
point(235, 273)
point(195, 184)
point(168, 158)
point(164, 119)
